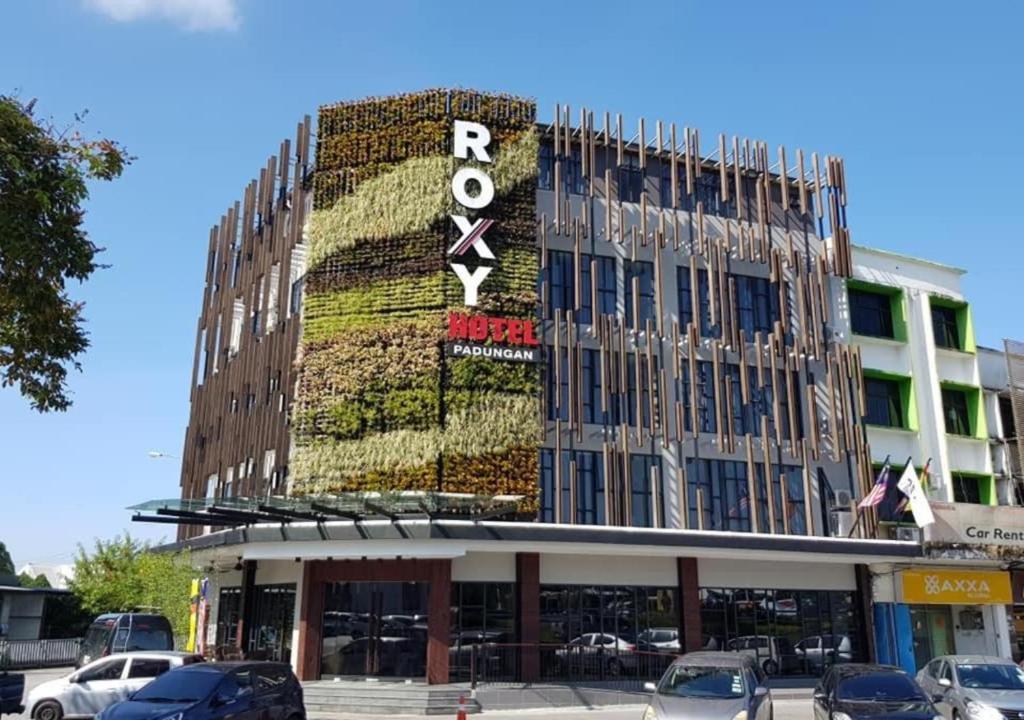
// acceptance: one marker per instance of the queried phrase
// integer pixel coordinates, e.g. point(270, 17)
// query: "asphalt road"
point(785, 709)
point(35, 677)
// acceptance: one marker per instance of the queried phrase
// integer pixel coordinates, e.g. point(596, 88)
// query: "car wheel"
point(770, 667)
point(48, 710)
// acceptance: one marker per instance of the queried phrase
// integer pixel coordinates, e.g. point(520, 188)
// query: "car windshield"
point(702, 682)
point(991, 677)
point(878, 686)
point(180, 686)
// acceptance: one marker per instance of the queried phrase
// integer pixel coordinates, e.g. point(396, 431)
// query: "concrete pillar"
point(690, 634)
point(528, 600)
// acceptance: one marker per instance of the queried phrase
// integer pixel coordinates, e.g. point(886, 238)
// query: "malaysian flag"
point(736, 510)
point(877, 493)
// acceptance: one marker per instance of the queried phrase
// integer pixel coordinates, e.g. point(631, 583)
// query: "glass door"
point(375, 629)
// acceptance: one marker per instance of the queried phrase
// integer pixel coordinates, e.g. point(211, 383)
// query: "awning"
point(240, 511)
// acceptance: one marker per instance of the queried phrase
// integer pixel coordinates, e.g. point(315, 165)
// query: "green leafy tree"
point(6, 563)
point(123, 574)
point(44, 173)
point(39, 581)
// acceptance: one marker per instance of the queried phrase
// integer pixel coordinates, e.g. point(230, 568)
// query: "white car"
point(101, 683)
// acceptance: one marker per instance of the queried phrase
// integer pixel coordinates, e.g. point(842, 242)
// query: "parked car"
point(819, 650)
point(710, 686)
point(971, 686)
point(216, 691)
point(102, 682)
point(12, 689)
point(659, 640)
point(775, 654)
point(871, 692)
point(124, 632)
point(590, 650)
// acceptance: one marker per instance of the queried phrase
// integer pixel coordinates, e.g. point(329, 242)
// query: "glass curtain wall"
point(483, 615)
point(788, 632)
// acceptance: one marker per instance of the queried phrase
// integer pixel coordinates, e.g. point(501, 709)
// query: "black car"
point(12, 688)
point(215, 691)
point(124, 632)
point(878, 692)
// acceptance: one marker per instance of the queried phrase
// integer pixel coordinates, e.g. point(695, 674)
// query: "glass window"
point(954, 410)
point(884, 402)
point(686, 301)
point(991, 677)
point(665, 188)
point(871, 313)
point(547, 485)
point(631, 179)
point(945, 328)
point(692, 681)
point(145, 668)
point(109, 670)
point(546, 171)
point(967, 489)
point(757, 305)
point(187, 685)
point(643, 469)
point(562, 284)
point(643, 292)
point(879, 687)
point(645, 390)
point(483, 614)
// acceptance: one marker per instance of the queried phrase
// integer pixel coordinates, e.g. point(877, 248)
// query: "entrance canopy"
point(238, 511)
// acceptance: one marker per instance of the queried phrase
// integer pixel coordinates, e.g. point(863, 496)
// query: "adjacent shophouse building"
point(474, 393)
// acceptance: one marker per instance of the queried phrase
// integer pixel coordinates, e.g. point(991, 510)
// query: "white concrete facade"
point(917, 357)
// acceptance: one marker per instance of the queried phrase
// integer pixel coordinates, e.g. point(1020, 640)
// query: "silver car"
point(87, 691)
point(710, 686)
point(974, 687)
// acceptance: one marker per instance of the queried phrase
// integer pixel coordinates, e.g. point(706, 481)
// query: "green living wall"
point(379, 406)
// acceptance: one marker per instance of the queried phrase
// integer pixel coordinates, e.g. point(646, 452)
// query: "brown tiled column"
point(439, 621)
point(528, 597)
point(311, 615)
point(689, 599)
point(246, 605)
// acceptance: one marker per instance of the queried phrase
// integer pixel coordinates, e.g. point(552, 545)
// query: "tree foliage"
point(6, 563)
point(43, 183)
point(39, 581)
point(123, 574)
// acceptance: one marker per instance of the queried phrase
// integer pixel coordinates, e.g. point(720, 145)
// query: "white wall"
point(774, 574)
point(599, 570)
point(921, 360)
point(484, 567)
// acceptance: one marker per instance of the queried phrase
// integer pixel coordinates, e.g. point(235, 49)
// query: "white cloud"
point(201, 15)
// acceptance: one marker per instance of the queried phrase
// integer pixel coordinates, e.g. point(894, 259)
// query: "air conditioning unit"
point(842, 522)
point(843, 499)
point(908, 534)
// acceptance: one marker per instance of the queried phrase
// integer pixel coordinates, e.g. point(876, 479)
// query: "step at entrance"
point(325, 698)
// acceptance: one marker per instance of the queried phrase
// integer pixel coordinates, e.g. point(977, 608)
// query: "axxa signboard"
point(472, 188)
point(956, 587)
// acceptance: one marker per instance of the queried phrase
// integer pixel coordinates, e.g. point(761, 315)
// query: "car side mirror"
point(760, 691)
point(820, 696)
point(650, 687)
point(945, 682)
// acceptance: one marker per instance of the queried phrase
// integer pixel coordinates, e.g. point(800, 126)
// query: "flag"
point(924, 483)
point(736, 510)
point(910, 485)
point(877, 493)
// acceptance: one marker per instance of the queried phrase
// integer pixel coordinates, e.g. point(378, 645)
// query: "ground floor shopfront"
point(922, 611)
point(516, 603)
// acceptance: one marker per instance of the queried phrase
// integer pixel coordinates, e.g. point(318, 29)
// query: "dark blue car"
point(215, 691)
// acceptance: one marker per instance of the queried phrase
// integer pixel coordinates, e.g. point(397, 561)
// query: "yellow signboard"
point(956, 587)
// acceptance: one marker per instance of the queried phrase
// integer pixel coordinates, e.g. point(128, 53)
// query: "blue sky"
point(922, 99)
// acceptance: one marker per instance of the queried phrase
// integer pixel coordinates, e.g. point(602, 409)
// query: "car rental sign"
point(471, 335)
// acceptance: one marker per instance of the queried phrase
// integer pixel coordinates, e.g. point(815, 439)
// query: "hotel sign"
point(498, 338)
point(956, 587)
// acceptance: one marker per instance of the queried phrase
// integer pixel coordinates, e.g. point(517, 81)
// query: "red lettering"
point(458, 326)
point(528, 338)
point(477, 328)
point(498, 326)
point(515, 331)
